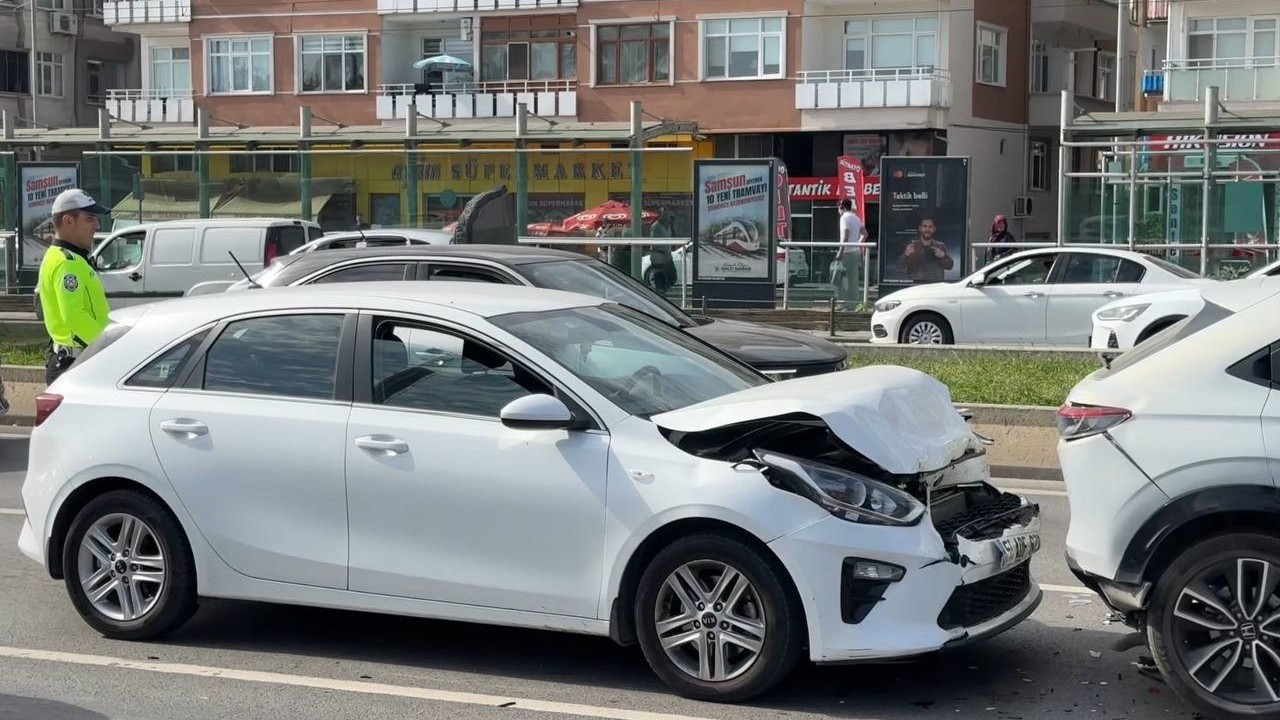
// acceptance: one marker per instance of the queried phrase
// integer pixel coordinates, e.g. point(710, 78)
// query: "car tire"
point(761, 610)
point(930, 328)
point(129, 547)
point(1181, 639)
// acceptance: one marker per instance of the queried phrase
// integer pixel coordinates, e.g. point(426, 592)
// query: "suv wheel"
point(716, 620)
point(1214, 626)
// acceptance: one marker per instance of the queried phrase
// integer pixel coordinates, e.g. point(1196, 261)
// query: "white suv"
point(1171, 457)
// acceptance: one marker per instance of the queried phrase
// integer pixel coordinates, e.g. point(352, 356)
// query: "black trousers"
point(55, 366)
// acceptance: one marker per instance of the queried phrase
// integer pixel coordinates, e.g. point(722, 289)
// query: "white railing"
point(154, 106)
point(136, 12)
point(450, 6)
point(1236, 78)
point(548, 98)
point(873, 88)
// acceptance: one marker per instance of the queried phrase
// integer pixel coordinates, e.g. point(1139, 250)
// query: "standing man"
point(851, 231)
point(71, 295)
point(926, 259)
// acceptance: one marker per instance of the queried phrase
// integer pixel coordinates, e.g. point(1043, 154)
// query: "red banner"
point(782, 201)
point(850, 183)
point(828, 188)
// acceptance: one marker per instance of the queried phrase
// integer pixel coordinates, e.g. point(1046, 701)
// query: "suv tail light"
point(46, 403)
point(1077, 421)
point(270, 251)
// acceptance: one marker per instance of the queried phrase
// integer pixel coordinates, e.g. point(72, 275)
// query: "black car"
point(779, 352)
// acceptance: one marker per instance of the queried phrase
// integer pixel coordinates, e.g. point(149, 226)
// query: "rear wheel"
point(716, 620)
point(1214, 626)
point(926, 329)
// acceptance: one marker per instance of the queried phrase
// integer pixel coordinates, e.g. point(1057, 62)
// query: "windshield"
point(1208, 315)
point(642, 365)
point(604, 281)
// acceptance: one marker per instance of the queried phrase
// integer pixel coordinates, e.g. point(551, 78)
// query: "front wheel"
point(927, 329)
point(128, 567)
point(1214, 626)
point(716, 621)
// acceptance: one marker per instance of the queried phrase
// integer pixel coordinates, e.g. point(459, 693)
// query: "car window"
point(164, 370)
point(1032, 270)
point(286, 238)
point(1176, 270)
point(591, 277)
point(369, 272)
point(314, 232)
point(428, 369)
point(220, 242)
point(385, 241)
point(122, 253)
point(1088, 268)
point(290, 355)
point(173, 246)
point(343, 244)
point(454, 273)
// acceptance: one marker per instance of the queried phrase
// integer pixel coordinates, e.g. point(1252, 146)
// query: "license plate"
point(1017, 548)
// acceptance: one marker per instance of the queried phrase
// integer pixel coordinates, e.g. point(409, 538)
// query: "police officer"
point(71, 296)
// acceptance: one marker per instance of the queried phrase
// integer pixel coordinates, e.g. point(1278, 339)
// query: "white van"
point(153, 261)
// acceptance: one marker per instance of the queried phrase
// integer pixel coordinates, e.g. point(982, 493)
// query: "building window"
point(633, 54)
point(49, 74)
point(171, 70)
point(260, 162)
point(1039, 67)
point(1038, 157)
point(991, 54)
point(54, 5)
point(175, 163)
point(331, 63)
point(891, 43)
point(103, 75)
point(15, 72)
point(1106, 77)
point(529, 53)
point(742, 48)
point(1232, 38)
point(240, 65)
point(95, 8)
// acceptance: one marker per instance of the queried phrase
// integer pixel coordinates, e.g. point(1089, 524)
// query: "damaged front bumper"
point(965, 575)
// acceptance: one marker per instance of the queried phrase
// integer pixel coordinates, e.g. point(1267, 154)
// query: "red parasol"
point(610, 213)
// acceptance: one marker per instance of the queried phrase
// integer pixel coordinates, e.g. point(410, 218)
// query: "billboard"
point(734, 220)
point(41, 182)
point(924, 220)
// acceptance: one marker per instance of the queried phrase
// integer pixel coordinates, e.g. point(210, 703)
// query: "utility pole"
point(1122, 52)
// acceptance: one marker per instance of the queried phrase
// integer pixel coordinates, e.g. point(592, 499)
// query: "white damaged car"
point(520, 457)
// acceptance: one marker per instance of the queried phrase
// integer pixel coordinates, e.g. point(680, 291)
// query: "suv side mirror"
point(978, 281)
point(537, 412)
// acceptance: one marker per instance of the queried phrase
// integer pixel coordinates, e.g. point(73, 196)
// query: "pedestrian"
point(71, 295)
point(852, 230)
point(999, 234)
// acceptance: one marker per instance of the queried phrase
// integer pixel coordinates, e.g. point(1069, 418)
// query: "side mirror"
point(978, 281)
point(537, 412)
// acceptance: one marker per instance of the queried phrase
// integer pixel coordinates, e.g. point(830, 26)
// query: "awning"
point(244, 207)
point(278, 195)
point(155, 208)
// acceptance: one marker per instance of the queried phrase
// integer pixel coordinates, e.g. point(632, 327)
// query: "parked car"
point(521, 457)
point(1034, 297)
point(778, 351)
point(1127, 322)
point(152, 261)
point(798, 268)
point(381, 237)
point(1170, 457)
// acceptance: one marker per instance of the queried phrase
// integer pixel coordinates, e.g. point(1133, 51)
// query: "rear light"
point(270, 252)
point(46, 403)
point(1077, 421)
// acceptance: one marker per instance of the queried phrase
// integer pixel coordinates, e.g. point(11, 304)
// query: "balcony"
point(148, 12)
point(151, 106)
point(548, 98)
point(911, 87)
point(472, 6)
point(1238, 79)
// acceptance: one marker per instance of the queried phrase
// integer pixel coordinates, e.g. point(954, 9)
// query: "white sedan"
point(1124, 323)
point(1034, 297)
point(520, 457)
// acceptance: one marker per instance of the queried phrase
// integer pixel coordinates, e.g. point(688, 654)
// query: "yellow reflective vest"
point(71, 296)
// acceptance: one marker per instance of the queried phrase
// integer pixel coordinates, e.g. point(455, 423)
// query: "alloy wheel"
point(121, 567)
point(710, 621)
point(1226, 631)
point(925, 332)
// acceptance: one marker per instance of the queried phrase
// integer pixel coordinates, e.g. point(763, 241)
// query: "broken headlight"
point(845, 494)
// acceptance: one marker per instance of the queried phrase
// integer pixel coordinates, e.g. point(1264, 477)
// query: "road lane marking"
point(1033, 491)
point(1074, 589)
point(11, 511)
point(352, 686)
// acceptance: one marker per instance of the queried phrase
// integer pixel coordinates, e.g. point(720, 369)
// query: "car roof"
point(481, 299)
point(217, 222)
point(510, 255)
point(376, 232)
point(1099, 250)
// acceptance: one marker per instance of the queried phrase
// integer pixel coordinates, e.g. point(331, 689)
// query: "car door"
point(1009, 306)
point(119, 264)
point(253, 442)
point(171, 267)
point(448, 504)
point(1084, 282)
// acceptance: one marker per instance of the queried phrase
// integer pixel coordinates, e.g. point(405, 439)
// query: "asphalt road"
point(246, 660)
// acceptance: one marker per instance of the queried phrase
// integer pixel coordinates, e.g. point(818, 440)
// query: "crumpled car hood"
point(901, 419)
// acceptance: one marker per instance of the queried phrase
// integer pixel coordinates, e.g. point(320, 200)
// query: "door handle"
point(383, 443)
point(135, 276)
point(1033, 294)
point(1113, 294)
point(190, 428)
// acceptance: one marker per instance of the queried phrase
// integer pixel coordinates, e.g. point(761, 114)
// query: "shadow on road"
point(13, 455)
point(13, 707)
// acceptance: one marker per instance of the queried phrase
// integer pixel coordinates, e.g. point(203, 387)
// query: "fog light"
point(868, 570)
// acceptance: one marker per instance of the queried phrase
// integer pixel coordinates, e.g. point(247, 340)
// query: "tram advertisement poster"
point(734, 220)
point(41, 183)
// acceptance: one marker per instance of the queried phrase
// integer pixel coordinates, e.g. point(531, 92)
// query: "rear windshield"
point(1171, 268)
point(1208, 315)
point(287, 237)
point(113, 332)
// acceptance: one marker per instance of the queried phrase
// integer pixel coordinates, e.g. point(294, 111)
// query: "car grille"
point(984, 600)
point(985, 521)
point(1112, 342)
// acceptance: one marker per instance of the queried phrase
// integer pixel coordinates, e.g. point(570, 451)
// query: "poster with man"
point(41, 183)
point(924, 220)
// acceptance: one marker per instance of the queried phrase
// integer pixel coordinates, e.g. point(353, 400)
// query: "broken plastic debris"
point(1095, 654)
